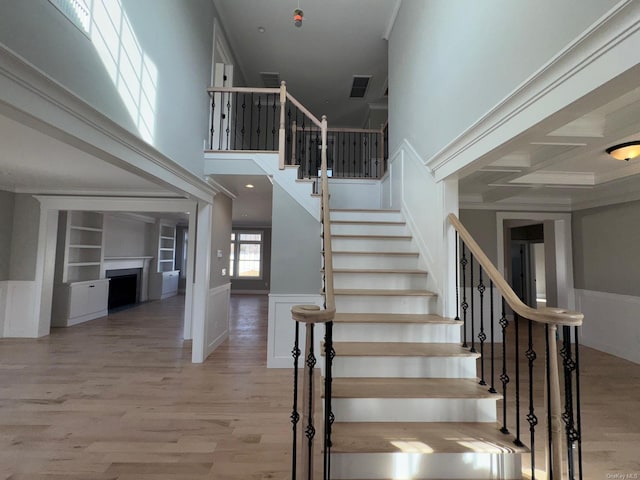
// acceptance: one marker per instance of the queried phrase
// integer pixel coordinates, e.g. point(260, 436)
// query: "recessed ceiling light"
point(248, 185)
point(261, 29)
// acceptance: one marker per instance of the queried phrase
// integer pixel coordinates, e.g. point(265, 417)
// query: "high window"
point(245, 258)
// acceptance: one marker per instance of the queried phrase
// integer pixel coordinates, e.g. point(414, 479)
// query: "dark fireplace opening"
point(123, 288)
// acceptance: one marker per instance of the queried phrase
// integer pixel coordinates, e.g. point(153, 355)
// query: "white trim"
point(31, 97)
point(610, 322)
point(392, 20)
point(218, 301)
point(18, 313)
point(124, 263)
point(563, 249)
point(281, 328)
point(606, 49)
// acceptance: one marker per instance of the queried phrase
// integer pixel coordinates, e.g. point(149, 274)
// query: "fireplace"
point(124, 287)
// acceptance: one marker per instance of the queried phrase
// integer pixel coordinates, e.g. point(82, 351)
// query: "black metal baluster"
point(366, 158)
point(493, 357)
point(504, 377)
point(235, 122)
point(377, 149)
point(328, 412)
point(481, 336)
point(316, 166)
point(221, 120)
point(228, 130)
point(244, 109)
point(310, 431)
point(251, 125)
point(213, 119)
point(273, 125)
point(259, 130)
point(354, 155)
point(457, 248)
point(578, 425)
point(473, 317)
point(517, 441)
point(344, 140)
point(295, 416)
point(568, 416)
point(531, 416)
point(465, 305)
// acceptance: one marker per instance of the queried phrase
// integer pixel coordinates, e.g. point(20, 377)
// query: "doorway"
point(527, 264)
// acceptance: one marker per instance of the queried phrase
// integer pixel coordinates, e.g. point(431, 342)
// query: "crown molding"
point(392, 20)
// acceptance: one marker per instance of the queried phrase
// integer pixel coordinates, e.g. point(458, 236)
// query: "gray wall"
point(6, 220)
point(451, 56)
point(482, 226)
point(295, 250)
point(605, 252)
point(24, 238)
point(264, 282)
point(127, 237)
point(174, 36)
point(220, 239)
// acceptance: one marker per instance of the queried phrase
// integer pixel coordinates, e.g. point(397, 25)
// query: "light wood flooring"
point(118, 399)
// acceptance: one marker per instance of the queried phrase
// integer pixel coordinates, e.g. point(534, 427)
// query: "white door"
point(222, 131)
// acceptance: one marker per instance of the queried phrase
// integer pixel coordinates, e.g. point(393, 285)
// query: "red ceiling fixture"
point(297, 17)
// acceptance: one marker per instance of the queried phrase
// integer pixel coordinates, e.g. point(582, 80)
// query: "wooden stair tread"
point(401, 349)
point(384, 293)
point(417, 437)
point(407, 271)
point(371, 237)
point(377, 254)
point(363, 210)
point(364, 222)
point(394, 318)
point(343, 387)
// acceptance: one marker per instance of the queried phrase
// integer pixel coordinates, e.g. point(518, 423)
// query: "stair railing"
point(562, 397)
point(303, 446)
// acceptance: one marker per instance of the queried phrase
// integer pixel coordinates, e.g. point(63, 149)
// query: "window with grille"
point(245, 257)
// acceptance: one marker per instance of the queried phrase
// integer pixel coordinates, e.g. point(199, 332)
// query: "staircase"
point(406, 397)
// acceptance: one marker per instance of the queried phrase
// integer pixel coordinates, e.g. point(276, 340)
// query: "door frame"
point(562, 245)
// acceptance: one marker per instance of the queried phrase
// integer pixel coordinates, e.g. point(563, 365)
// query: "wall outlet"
point(219, 254)
point(224, 272)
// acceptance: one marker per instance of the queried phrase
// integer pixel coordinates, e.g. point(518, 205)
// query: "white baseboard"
point(281, 330)
point(610, 323)
point(18, 317)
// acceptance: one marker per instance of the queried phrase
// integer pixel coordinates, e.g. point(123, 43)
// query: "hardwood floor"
point(118, 399)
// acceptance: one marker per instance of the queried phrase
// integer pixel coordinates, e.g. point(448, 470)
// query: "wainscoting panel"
point(611, 323)
point(282, 328)
point(217, 324)
point(17, 312)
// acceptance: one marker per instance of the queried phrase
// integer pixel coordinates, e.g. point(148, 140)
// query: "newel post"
point(282, 144)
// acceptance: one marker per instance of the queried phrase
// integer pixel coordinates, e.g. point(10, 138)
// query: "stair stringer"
point(252, 163)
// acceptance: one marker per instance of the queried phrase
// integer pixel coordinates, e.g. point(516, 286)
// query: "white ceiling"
point(32, 162)
point(561, 163)
point(338, 39)
point(251, 206)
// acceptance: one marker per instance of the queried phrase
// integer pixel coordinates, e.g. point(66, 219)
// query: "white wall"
point(361, 193)
point(172, 38)
point(6, 220)
point(451, 62)
point(127, 237)
point(24, 240)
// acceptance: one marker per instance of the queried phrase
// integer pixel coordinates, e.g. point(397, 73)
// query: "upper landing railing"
point(271, 119)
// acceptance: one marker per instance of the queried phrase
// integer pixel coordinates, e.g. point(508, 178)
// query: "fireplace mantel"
point(122, 263)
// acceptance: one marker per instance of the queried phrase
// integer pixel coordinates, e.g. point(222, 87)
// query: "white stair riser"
point(404, 367)
point(414, 409)
point(377, 216)
point(366, 229)
point(407, 466)
point(382, 281)
point(401, 332)
point(385, 304)
point(358, 244)
point(374, 261)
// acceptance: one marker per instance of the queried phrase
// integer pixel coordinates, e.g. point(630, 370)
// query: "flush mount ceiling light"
point(297, 17)
point(625, 151)
point(248, 185)
point(261, 29)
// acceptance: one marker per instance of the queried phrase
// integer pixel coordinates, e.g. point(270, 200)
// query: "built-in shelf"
point(85, 246)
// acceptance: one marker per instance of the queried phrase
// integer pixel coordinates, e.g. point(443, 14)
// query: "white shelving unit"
point(80, 291)
point(164, 282)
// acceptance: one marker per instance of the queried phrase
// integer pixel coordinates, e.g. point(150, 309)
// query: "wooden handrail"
point(550, 315)
point(242, 90)
point(304, 110)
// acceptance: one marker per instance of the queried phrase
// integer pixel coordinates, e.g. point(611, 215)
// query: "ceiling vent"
point(270, 79)
point(359, 86)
